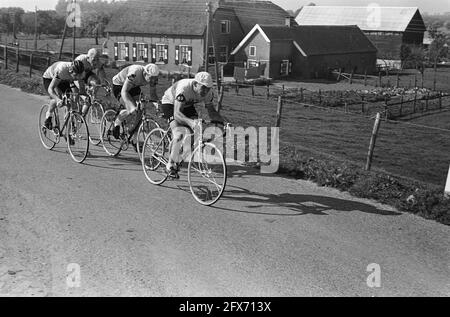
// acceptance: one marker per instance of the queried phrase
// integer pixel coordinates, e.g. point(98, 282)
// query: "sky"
point(434, 6)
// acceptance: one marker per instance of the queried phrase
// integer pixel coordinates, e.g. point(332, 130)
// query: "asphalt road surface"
point(100, 229)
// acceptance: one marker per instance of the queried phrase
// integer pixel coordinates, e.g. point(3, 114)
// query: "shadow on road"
point(298, 204)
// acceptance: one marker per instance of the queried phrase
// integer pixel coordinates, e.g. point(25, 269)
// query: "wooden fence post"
point(48, 62)
point(426, 101)
point(283, 90)
point(440, 100)
point(401, 104)
point(362, 104)
point(279, 111)
point(373, 140)
point(268, 91)
point(237, 89)
point(5, 57)
point(253, 90)
point(365, 77)
point(17, 59)
point(415, 80)
point(351, 76)
point(339, 76)
point(415, 101)
point(379, 78)
point(398, 80)
point(386, 108)
point(31, 64)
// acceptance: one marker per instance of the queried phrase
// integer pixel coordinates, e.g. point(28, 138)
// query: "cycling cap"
point(204, 78)
point(77, 67)
point(93, 52)
point(152, 70)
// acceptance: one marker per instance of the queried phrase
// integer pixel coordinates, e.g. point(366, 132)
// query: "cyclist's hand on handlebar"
point(59, 103)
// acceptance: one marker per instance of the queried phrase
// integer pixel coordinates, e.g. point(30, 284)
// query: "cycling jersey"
point(84, 58)
point(183, 91)
point(134, 73)
point(59, 70)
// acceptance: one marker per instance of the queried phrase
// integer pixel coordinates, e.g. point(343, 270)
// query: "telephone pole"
point(74, 27)
point(208, 20)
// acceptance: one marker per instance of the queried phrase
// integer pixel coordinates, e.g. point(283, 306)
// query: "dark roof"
point(188, 17)
point(181, 17)
point(323, 39)
point(250, 13)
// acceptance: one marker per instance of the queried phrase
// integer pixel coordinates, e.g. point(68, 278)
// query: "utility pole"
point(74, 28)
point(208, 18)
point(35, 29)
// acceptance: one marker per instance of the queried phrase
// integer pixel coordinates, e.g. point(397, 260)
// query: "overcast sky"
point(434, 6)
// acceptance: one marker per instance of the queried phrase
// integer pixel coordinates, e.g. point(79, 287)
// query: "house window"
point(252, 63)
point(142, 53)
point(285, 67)
point(223, 54)
point(225, 27)
point(252, 51)
point(185, 56)
point(122, 51)
point(161, 53)
point(211, 57)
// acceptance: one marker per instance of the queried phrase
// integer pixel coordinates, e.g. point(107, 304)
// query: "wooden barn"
point(389, 28)
point(306, 51)
point(173, 34)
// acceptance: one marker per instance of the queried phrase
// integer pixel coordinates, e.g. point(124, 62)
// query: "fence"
point(416, 151)
point(13, 57)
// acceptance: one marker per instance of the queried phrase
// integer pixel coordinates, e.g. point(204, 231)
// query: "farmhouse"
point(173, 34)
point(389, 28)
point(306, 51)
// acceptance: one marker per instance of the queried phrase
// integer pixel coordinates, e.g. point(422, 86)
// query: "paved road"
point(269, 235)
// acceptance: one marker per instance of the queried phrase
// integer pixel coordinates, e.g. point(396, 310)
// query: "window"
point(285, 68)
point(252, 63)
point(142, 53)
point(185, 55)
point(225, 27)
point(252, 51)
point(122, 51)
point(161, 53)
point(211, 57)
point(223, 54)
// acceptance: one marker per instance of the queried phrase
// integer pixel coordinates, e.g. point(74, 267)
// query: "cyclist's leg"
point(52, 103)
point(135, 93)
point(90, 80)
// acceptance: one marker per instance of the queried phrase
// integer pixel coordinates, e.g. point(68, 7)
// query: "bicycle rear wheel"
point(94, 120)
point(155, 156)
point(77, 134)
point(144, 130)
point(111, 145)
point(207, 174)
point(48, 138)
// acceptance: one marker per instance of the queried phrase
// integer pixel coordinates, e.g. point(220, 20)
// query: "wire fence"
point(416, 149)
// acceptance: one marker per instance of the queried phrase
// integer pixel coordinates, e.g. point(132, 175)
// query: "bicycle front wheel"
point(111, 145)
point(145, 128)
point(48, 138)
point(77, 137)
point(207, 174)
point(155, 156)
point(94, 120)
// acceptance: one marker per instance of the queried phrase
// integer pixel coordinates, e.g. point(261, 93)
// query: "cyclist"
point(127, 86)
point(94, 71)
point(59, 78)
point(178, 104)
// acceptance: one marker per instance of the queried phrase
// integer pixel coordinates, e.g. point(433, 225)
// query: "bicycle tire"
point(155, 155)
point(111, 145)
point(205, 166)
point(94, 120)
point(48, 138)
point(77, 136)
point(145, 128)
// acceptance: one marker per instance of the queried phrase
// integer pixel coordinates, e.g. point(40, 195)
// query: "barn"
point(173, 34)
point(306, 51)
point(389, 28)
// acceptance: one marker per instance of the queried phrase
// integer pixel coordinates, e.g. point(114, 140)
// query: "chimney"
point(287, 21)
